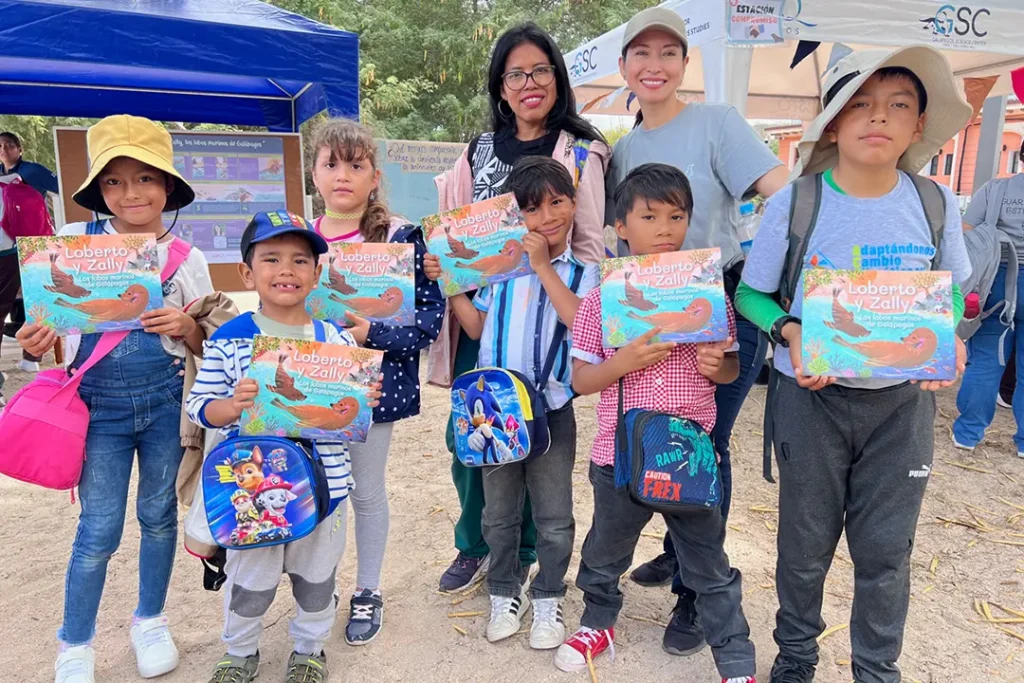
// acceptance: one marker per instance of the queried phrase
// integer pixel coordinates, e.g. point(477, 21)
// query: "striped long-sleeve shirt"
point(226, 357)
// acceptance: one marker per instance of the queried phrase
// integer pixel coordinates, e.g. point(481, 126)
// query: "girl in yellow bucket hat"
point(134, 396)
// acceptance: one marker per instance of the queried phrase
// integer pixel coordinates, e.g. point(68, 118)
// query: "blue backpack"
point(667, 462)
point(500, 416)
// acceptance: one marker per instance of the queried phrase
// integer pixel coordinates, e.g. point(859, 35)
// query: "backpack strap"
point(94, 228)
point(933, 200)
point(556, 341)
point(803, 217)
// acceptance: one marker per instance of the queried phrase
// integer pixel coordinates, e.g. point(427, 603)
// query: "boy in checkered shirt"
point(652, 213)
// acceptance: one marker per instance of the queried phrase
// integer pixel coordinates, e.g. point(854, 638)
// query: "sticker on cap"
point(296, 221)
point(275, 219)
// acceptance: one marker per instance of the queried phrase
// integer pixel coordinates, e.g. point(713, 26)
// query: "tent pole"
point(727, 73)
point(990, 141)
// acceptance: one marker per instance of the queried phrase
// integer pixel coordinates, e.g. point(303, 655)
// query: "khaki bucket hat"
point(136, 138)
point(947, 110)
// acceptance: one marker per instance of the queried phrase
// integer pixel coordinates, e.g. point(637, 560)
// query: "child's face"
point(346, 186)
point(879, 123)
point(552, 218)
point(134, 192)
point(284, 271)
point(654, 66)
point(653, 227)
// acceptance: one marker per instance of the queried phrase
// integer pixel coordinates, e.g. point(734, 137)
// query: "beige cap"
point(658, 18)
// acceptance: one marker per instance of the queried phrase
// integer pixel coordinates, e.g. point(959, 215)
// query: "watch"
point(775, 334)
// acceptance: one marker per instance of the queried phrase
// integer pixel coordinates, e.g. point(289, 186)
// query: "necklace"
point(342, 216)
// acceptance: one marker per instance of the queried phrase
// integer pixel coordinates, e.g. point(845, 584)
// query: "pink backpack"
point(50, 405)
point(24, 212)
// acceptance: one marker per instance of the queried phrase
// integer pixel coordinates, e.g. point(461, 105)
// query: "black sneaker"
point(657, 572)
point(464, 573)
point(365, 617)
point(684, 634)
point(789, 671)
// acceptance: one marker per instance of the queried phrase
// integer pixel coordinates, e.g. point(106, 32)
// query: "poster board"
point(409, 168)
point(234, 175)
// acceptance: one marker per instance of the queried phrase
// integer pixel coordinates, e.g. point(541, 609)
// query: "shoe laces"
point(462, 561)
point(588, 637)
point(547, 610)
point(739, 679)
point(305, 672)
point(501, 605)
point(232, 674)
point(361, 611)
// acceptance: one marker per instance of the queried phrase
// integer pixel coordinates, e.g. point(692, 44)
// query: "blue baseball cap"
point(269, 224)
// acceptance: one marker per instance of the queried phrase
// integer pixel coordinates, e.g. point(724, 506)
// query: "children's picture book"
point(310, 390)
point(680, 292)
point(882, 324)
point(479, 244)
point(372, 280)
point(80, 284)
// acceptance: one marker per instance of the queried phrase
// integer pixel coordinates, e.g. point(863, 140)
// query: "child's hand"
point(168, 321)
point(536, 246)
point(642, 353)
point(374, 394)
point(245, 392)
point(432, 266)
point(358, 327)
point(36, 339)
point(961, 365)
point(792, 333)
point(711, 357)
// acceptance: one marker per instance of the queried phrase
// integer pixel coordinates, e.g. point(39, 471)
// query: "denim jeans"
point(976, 399)
point(728, 401)
point(548, 478)
point(134, 399)
point(698, 537)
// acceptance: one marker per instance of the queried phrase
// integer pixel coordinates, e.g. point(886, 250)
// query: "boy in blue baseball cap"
point(280, 253)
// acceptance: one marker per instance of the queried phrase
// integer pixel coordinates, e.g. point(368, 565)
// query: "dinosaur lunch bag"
point(263, 491)
point(667, 462)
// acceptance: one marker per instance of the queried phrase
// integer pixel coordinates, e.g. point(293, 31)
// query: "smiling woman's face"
point(654, 66)
point(534, 101)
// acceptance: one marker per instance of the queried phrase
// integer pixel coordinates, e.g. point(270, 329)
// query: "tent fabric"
point(238, 62)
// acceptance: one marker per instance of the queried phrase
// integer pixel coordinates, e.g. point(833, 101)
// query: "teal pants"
point(469, 484)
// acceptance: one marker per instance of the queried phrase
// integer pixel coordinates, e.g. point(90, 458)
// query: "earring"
point(511, 114)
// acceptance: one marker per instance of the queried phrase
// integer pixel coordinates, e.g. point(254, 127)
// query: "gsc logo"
point(950, 21)
point(585, 62)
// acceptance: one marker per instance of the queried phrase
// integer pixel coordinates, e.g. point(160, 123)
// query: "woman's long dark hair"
point(563, 115)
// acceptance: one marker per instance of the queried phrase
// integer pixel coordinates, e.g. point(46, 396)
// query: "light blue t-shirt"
point(885, 233)
point(722, 158)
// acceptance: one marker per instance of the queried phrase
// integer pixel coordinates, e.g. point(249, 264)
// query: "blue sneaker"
point(365, 617)
point(463, 573)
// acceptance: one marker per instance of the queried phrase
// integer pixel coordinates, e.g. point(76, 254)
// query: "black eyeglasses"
point(542, 76)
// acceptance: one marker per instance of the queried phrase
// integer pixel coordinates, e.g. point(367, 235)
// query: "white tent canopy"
point(978, 41)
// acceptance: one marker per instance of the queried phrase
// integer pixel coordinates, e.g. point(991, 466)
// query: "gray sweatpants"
point(859, 459)
point(369, 501)
point(253, 576)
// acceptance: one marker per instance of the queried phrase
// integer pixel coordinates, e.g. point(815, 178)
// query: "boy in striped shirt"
point(280, 253)
point(516, 323)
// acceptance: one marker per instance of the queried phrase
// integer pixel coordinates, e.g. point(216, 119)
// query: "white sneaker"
point(957, 444)
point(1020, 454)
point(506, 616)
point(548, 630)
point(28, 366)
point(75, 665)
point(1001, 403)
point(154, 650)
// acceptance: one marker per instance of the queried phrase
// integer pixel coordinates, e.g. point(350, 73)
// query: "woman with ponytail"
point(347, 175)
point(533, 113)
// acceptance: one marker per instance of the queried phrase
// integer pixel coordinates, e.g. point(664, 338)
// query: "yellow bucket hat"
point(136, 138)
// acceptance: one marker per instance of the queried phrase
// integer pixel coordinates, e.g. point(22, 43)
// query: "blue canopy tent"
point(239, 62)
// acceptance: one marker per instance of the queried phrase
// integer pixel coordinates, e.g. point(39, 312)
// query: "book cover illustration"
point(373, 280)
point(80, 284)
point(880, 324)
point(681, 292)
point(479, 244)
point(310, 389)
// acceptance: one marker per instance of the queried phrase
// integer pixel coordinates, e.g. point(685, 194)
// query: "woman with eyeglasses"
point(534, 113)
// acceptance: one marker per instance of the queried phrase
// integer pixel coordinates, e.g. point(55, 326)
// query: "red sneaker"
point(572, 654)
point(740, 679)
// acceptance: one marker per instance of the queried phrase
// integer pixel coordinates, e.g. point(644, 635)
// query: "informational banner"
point(409, 168)
point(422, 157)
point(757, 22)
point(234, 177)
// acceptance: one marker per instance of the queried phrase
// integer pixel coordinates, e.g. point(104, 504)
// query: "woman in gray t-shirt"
point(726, 163)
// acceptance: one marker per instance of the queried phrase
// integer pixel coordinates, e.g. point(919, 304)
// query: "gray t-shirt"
point(721, 156)
point(1011, 215)
point(887, 233)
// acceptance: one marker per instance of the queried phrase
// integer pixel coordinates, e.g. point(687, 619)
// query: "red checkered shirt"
point(672, 386)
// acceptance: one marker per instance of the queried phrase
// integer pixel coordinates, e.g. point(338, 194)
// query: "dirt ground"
point(947, 640)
